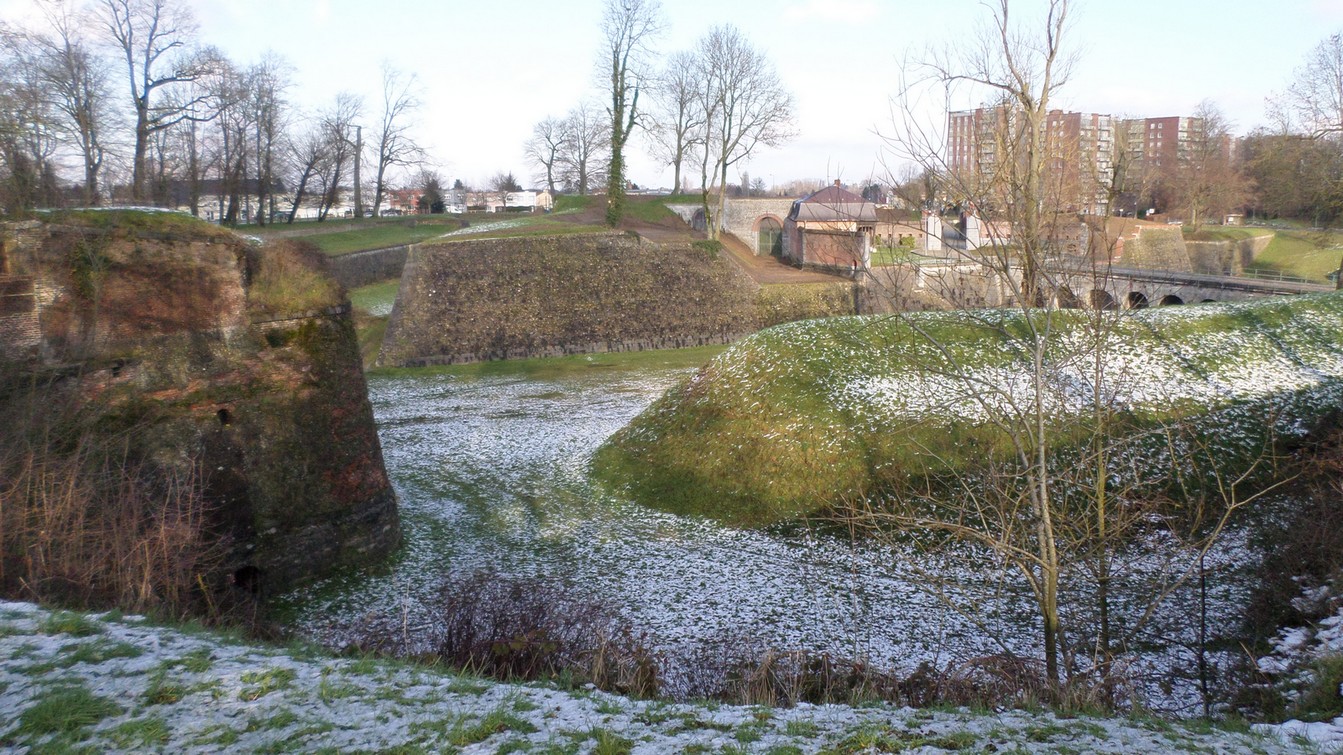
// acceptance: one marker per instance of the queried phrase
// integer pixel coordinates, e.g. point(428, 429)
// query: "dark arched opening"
point(1170, 300)
point(1064, 298)
point(1135, 300)
point(1101, 299)
point(697, 221)
point(769, 237)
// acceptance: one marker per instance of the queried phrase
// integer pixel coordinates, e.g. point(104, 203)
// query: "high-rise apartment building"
point(1079, 154)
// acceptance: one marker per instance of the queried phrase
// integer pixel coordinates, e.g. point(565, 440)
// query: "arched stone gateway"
point(1170, 300)
point(769, 236)
point(1101, 299)
point(1135, 300)
point(698, 222)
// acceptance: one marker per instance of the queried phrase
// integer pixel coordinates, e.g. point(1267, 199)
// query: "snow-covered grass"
point(807, 414)
point(493, 226)
point(119, 683)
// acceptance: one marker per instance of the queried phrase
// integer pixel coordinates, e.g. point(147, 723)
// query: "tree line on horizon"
point(122, 101)
point(129, 91)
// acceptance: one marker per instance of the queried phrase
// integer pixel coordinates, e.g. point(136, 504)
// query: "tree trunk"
point(141, 151)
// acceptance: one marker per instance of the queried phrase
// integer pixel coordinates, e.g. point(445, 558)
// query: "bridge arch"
point(1170, 300)
point(1101, 299)
point(769, 236)
point(1135, 300)
point(1064, 298)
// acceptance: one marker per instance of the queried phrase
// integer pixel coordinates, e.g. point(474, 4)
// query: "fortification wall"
point(541, 296)
point(740, 216)
point(182, 336)
point(363, 268)
point(1158, 249)
point(1226, 257)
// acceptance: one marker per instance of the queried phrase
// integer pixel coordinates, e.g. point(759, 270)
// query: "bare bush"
point(84, 522)
point(523, 629)
point(289, 276)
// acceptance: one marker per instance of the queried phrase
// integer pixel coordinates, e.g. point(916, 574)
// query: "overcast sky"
point(491, 69)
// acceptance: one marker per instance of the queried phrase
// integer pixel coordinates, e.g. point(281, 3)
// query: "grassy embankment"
point(373, 303)
point(803, 416)
point(1311, 255)
point(1297, 253)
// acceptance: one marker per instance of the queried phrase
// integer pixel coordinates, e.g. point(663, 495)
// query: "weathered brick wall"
point(540, 296)
point(275, 412)
point(830, 250)
point(20, 331)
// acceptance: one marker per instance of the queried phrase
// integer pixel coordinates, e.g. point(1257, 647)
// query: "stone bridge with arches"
point(1128, 288)
point(964, 283)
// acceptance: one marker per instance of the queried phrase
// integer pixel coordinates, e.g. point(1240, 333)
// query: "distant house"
point(896, 227)
point(402, 202)
point(832, 229)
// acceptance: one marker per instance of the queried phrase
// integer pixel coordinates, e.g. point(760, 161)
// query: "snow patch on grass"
point(167, 697)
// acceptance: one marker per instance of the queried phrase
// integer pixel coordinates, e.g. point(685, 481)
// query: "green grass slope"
point(802, 416)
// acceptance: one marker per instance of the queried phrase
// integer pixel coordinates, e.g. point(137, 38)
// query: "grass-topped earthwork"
point(385, 233)
point(805, 415)
point(131, 222)
point(1311, 255)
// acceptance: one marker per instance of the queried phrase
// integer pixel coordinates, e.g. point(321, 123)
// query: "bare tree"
point(1021, 69)
point(1023, 74)
point(395, 147)
point(233, 125)
point(267, 81)
point(745, 106)
point(546, 148)
point(1206, 180)
point(677, 123)
point(76, 80)
point(29, 127)
point(1294, 175)
point(307, 153)
point(1056, 496)
point(337, 126)
point(627, 27)
point(1315, 99)
point(586, 143)
point(152, 37)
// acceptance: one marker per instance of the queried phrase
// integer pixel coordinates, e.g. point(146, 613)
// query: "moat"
point(491, 469)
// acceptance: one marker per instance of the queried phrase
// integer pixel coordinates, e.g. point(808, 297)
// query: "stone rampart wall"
point(1226, 257)
point(273, 406)
point(364, 268)
point(1157, 249)
point(543, 296)
point(740, 216)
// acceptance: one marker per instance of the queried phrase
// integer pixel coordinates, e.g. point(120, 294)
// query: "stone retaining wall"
point(364, 268)
point(544, 296)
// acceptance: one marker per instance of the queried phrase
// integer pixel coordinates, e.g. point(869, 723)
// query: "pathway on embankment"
point(765, 269)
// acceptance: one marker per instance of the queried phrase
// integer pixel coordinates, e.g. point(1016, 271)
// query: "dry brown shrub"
point(513, 628)
point(83, 522)
point(289, 277)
